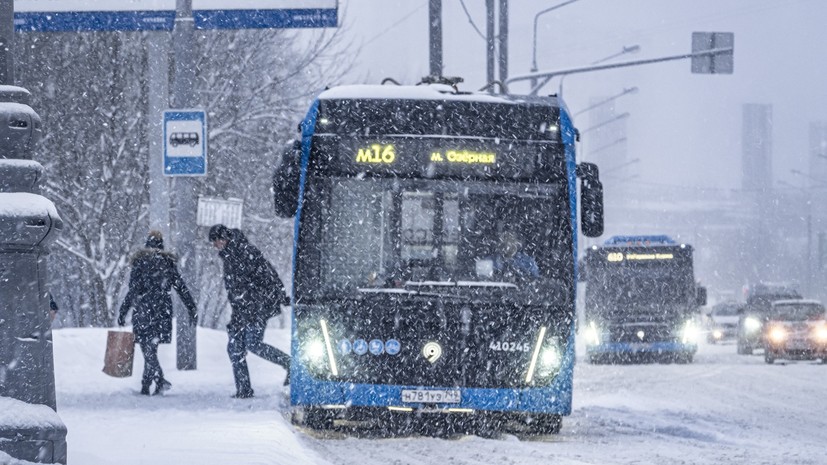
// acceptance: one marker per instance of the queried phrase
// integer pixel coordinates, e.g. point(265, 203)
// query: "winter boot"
point(162, 386)
point(145, 390)
point(243, 394)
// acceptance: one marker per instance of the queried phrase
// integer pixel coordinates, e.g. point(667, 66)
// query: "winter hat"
point(219, 231)
point(155, 240)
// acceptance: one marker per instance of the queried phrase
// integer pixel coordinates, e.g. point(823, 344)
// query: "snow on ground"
point(724, 408)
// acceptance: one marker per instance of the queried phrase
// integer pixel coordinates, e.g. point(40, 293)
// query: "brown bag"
point(120, 351)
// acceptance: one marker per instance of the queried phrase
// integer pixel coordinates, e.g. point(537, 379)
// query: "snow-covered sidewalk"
point(197, 422)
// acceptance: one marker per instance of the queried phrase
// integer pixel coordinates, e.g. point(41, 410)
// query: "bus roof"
point(428, 92)
point(640, 240)
point(795, 302)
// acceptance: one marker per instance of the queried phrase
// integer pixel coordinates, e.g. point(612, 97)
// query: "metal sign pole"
point(158, 95)
point(186, 201)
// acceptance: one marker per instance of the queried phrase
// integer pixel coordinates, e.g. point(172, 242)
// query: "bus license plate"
point(432, 396)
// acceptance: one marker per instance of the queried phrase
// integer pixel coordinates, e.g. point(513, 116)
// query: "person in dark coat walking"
point(154, 274)
point(256, 294)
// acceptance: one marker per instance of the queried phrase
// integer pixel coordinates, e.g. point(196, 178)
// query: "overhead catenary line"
point(471, 20)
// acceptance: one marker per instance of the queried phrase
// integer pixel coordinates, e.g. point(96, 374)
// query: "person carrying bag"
point(154, 275)
point(120, 353)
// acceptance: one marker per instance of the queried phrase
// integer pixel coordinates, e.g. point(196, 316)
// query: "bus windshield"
point(654, 286)
point(797, 312)
point(394, 235)
point(646, 286)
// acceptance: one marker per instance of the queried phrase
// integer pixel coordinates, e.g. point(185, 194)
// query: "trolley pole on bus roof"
point(6, 42)
point(490, 41)
point(185, 200)
point(503, 41)
point(435, 29)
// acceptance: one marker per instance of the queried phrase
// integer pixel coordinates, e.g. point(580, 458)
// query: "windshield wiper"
point(455, 284)
point(408, 292)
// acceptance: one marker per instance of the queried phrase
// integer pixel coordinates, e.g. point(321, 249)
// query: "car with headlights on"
point(753, 316)
point(796, 330)
point(722, 321)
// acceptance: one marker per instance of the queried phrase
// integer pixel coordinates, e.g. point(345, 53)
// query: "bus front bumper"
point(554, 399)
point(631, 348)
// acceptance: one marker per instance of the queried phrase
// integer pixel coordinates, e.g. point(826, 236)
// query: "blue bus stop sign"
point(185, 143)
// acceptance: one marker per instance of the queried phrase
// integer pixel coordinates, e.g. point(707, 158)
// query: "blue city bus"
point(642, 300)
point(403, 302)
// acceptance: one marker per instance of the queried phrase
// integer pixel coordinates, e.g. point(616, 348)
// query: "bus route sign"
point(185, 143)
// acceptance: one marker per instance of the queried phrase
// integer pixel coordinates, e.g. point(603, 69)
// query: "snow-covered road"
point(724, 408)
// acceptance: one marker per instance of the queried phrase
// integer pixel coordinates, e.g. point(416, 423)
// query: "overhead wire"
point(471, 20)
point(398, 22)
point(667, 26)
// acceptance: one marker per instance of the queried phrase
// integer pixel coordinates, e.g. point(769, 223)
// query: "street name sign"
point(159, 15)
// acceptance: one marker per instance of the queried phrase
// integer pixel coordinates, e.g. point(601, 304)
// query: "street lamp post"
point(534, 40)
point(815, 182)
point(628, 90)
point(623, 51)
point(626, 49)
point(605, 123)
point(621, 166)
point(609, 145)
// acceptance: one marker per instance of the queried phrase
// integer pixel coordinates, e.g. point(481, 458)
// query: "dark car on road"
point(796, 330)
point(753, 316)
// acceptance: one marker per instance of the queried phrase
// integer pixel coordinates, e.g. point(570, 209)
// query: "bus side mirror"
point(286, 181)
point(591, 200)
point(700, 296)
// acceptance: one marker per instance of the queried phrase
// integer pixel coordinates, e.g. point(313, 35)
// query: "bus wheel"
point(545, 424)
point(313, 418)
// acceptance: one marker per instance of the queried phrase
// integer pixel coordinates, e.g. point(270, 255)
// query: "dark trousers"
point(152, 367)
point(249, 339)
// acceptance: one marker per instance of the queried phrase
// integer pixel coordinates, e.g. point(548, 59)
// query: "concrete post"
point(28, 224)
point(186, 198)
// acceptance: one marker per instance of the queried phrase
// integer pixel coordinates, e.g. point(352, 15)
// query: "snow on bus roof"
point(660, 239)
point(421, 92)
point(776, 303)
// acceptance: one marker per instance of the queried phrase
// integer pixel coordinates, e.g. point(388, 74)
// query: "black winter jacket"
point(254, 288)
point(154, 274)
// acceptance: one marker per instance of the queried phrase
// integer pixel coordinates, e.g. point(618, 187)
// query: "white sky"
point(685, 128)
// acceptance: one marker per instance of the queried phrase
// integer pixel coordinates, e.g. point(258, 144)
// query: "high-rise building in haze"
point(756, 147)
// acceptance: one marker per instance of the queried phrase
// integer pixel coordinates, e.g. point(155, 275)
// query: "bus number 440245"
point(504, 346)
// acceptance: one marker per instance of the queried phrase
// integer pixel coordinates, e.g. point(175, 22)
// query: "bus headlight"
point(313, 352)
point(751, 324)
point(316, 349)
point(778, 334)
point(550, 360)
point(689, 333)
point(820, 334)
point(546, 357)
point(592, 334)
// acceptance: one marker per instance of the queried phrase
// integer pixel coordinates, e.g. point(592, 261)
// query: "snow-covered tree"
point(91, 91)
